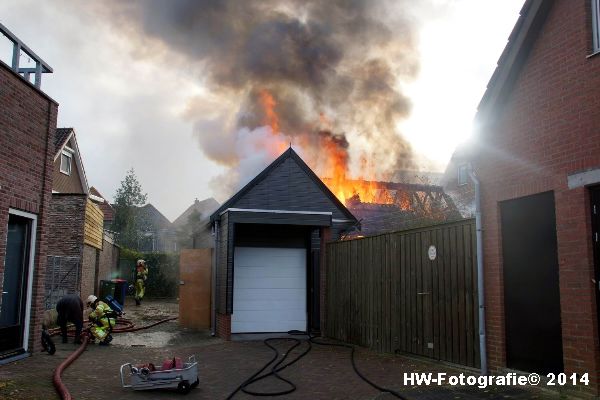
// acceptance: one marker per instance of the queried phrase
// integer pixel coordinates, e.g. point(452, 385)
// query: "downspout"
point(213, 278)
point(480, 281)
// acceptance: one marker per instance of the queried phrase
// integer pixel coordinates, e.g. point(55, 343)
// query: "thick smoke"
point(333, 68)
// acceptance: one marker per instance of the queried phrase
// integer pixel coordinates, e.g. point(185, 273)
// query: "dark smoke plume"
point(330, 65)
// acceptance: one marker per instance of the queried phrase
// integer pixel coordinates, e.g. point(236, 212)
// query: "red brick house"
point(538, 161)
point(27, 126)
point(80, 254)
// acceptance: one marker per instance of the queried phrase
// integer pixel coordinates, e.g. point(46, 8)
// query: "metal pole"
point(480, 280)
point(16, 56)
point(38, 75)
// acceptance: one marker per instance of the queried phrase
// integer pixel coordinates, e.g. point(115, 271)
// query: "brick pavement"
point(325, 373)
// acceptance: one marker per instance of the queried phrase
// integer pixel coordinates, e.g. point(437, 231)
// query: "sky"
point(137, 103)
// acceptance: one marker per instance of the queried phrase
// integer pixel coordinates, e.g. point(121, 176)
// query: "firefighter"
point(102, 318)
point(70, 309)
point(141, 274)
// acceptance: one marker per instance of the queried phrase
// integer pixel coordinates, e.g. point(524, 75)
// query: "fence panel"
point(392, 294)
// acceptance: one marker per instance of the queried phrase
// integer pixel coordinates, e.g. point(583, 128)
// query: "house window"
point(596, 24)
point(65, 162)
point(463, 172)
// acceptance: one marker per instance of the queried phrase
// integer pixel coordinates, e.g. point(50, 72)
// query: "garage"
point(269, 290)
point(267, 258)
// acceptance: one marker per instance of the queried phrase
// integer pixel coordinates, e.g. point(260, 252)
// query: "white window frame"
point(33, 218)
point(69, 155)
point(596, 25)
point(458, 181)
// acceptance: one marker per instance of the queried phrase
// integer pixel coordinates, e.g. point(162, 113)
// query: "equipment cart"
point(172, 375)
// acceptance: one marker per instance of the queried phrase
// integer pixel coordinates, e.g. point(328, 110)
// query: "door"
point(14, 285)
point(269, 290)
point(195, 274)
point(531, 291)
point(595, 208)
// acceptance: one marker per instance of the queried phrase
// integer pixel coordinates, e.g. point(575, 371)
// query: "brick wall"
point(548, 129)
point(108, 261)
point(27, 126)
point(223, 326)
point(66, 219)
point(98, 265)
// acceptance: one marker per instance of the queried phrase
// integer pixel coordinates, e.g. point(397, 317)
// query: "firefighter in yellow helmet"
point(141, 274)
point(102, 318)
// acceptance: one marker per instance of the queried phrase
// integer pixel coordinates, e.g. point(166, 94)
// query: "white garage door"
point(269, 290)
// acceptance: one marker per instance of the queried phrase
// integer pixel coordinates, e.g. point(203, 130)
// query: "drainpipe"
point(213, 278)
point(480, 287)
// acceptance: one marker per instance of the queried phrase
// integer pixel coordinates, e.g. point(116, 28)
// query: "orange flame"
point(268, 103)
point(336, 165)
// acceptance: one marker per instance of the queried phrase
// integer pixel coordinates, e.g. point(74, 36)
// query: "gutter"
point(480, 281)
point(213, 278)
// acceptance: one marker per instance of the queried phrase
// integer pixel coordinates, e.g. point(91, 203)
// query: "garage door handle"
point(423, 293)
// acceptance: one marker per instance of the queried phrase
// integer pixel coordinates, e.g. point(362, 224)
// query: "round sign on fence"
point(432, 252)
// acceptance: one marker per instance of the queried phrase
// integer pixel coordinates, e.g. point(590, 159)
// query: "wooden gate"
point(412, 291)
point(195, 288)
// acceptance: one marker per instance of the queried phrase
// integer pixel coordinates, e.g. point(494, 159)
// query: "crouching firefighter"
point(102, 319)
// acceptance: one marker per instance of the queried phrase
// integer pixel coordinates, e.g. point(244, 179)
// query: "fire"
point(268, 103)
point(272, 120)
point(335, 168)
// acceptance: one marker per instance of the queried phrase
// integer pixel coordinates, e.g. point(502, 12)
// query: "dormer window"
point(596, 25)
point(66, 159)
point(463, 171)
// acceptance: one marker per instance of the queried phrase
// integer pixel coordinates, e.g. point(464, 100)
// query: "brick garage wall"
point(549, 128)
point(108, 261)
point(224, 326)
point(98, 265)
point(27, 126)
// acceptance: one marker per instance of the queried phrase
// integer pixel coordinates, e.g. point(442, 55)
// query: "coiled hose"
point(280, 366)
point(125, 326)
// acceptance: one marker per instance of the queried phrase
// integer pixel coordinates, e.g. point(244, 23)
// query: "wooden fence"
point(385, 292)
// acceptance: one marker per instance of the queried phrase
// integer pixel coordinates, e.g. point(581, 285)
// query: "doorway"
point(595, 211)
point(15, 284)
point(531, 290)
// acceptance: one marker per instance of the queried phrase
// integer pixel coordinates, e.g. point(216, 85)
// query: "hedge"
point(163, 271)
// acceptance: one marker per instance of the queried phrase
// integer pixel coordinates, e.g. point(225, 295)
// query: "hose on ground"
point(280, 366)
point(275, 369)
point(57, 380)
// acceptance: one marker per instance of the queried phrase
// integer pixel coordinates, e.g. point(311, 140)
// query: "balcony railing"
point(41, 67)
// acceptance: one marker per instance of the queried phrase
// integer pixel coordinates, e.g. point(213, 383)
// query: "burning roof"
point(389, 206)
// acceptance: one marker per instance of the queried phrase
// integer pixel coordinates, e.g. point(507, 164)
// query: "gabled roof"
point(532, 17)
point(62, 136)
point(157, 219)
point(204, 207)
point(289, 153)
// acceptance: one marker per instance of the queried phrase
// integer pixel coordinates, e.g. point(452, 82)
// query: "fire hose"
point(281, 365)
point(127, 326)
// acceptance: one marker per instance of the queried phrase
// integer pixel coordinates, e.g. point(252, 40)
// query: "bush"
point(163, 271)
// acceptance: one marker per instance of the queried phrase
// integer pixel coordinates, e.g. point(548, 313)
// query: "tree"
point(129, 223)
